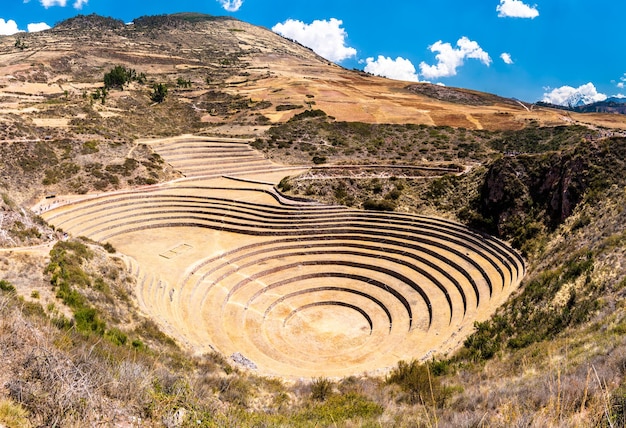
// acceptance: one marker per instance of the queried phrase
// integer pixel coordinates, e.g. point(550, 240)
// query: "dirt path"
point(43, 249)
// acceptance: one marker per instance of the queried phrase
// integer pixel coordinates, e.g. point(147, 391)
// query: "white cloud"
point(397, 69)
point(49, 3)
point(326, 38)
point(570, 96)
point(230, 5)
point(622, 82)
point(39, 26)
point(516, 9)
point(449, 58)
point(506, 57)
point(8, 27)
point(78, 4)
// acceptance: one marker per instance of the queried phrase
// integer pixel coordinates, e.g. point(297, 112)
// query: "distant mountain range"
point(610, 105)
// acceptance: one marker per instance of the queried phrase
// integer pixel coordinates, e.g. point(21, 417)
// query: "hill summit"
point(226, 59)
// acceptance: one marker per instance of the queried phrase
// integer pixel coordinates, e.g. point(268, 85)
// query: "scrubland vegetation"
point(553, 356)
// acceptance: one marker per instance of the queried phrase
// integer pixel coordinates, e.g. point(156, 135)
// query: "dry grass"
point(13, 415)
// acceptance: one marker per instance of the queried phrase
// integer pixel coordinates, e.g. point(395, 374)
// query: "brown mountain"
point(238, 73)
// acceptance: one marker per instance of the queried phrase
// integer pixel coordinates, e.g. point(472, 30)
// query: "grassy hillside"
point(532, 363)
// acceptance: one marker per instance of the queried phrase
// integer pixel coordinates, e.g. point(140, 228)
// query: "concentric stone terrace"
point(224, 262)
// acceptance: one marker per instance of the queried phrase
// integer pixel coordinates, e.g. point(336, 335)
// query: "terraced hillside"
point(224, 262)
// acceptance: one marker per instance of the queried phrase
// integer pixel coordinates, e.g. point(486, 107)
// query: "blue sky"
point(548, 49)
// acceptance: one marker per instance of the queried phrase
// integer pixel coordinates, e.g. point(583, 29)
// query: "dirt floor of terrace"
point(318, 336)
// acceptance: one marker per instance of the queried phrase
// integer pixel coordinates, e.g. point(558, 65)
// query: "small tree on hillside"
point(119, 76)
point(159, 92)
point(182, 83)
point(19, 43)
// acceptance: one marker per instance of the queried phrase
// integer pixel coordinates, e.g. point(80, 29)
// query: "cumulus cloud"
point(622, 82)
point(397, 69)
point(570, 96)
point(8, 27)
point(506, 57)
point(326, 38)
point(49, 3)
point(449, 58)
point(38, 26)
point(516, 9)
point(78, 4)
point(231, 5)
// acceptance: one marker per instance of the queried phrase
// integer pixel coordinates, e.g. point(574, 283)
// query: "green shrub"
point(33, 309)
point(109, 248)
point(159, 92)
point(394, 195)
point(70, 252)
point(88, 321)
point(483, 343)
point(65, 265)
point(70, 297)
point(118, 76)
point(318, 160)
point(116, 337)
point(286, 107)
point(440, 187)
point(90, 147)
point(307, 114)
point(19, 43)
point(337, 410)
point(285, 185)
point(7, 200)
point(418, 383)
point(235, 390)
point(13, 414)
point(340, 191)
point(617, 411)
point(527, 319)
point(150, 330)
point(97, 95)
point(440, 367)
point(321, 389)
point(20, 231)
point(182, 83)
point(100, 285)
point(6, 286)
point(62, 323)
point(379, 205)
point(376, 186)
point(137, 344)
